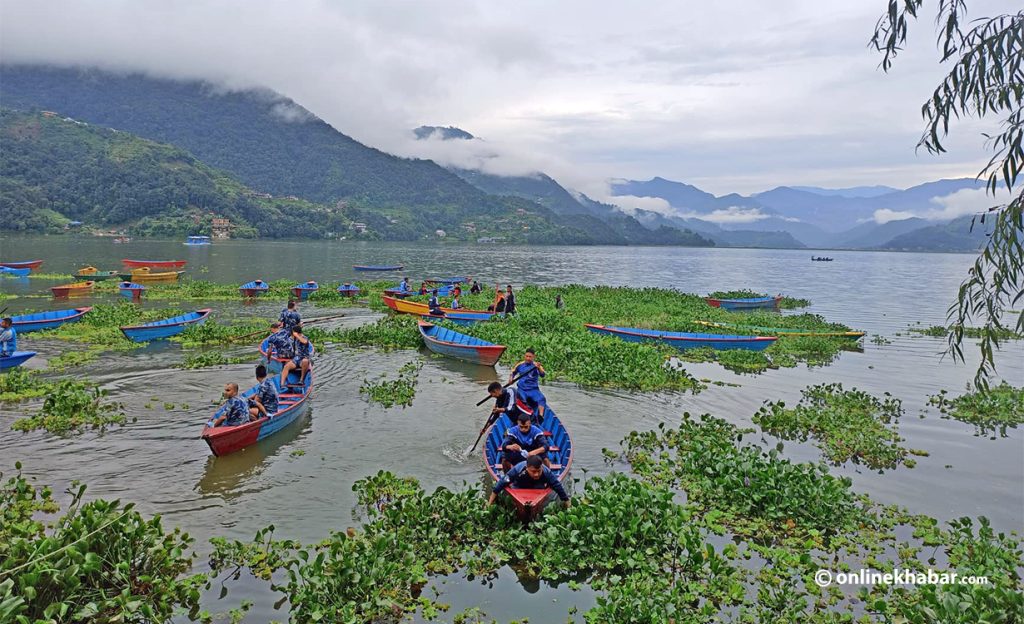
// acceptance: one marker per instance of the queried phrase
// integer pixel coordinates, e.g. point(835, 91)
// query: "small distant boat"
point(16, 359)
point(752, 303)
point(155, 264)
point(450, 281)
point(9, 272)
point(303, 291)
point(414, 307)
point(822, 259)
point(165, 328)
point(30, 264)
point(378, 267)
point(254, 288)
point(275, 363)
point(348, 290)
point(782, 332)
point(195, 241)
point(686, 340)
point(460, 346)
point(131, 290)
point(91, 272)
point(73, 290)
point(145, 275)
point(460, 318)
point(47, 320)
point(122, 239)
point(291, 400)
point(530, 503)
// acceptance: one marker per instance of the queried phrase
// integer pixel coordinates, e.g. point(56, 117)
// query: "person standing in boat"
point(529, 371)
point(290, 316)
point(531, 474)
point(235, 411)
point(475, 288)
point(522, 442)
point(510, 301)
point(435, 305)
point(302, 358)
point(8, 337)
point(265, 400)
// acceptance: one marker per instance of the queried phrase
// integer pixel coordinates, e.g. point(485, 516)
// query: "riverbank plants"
point(998, 408)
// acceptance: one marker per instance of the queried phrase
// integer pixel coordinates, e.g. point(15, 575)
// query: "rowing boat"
point(91, 272)
point(303, 291)
point(460, 346)
point(165, 328)
point(16, 359)
point(528, 502)
point(783, 332)
point(751, 303)
point(414, 307)
point(686, 340)
point(378, 267)
point(348, 290)
point(253, 288)
point(131, 290)
point(148, 276)
point(28, 264)
point(14, 272)
point(73, 290)
point(459, 317)
point(47, 320)
point(291, 403)
point(154, 264)
point(275, 363)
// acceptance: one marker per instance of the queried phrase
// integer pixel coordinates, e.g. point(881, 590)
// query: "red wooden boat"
point(31, 264)
point(154, 264)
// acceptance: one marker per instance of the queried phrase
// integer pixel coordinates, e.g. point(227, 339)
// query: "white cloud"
point(948, 207)
point(632, 203)
point(734, 214)
point(885, 215)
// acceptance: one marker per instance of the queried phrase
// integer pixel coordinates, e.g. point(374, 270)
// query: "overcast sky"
point(730, 96)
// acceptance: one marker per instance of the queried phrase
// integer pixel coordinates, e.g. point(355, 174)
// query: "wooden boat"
point(446, 281)
point(165, 328)
point(254, 288)
point(752, 303)
point(303, 291)
point(148, 276)
point(73, 290)
point(195, 241)
point(813, 259)
point(292, 401)
point(348, 290)
point(9, 272)
point(274, 363)
point(530, 503)
point(91, 272)
point(131, 290)
point(460, 346)
point(414, 307)
point(686, 340)
point(29, 264)
point(154, 264)
point(16, 359)
point(460, 318)
point(378, 267)
point(783, 332)
point(47, 320)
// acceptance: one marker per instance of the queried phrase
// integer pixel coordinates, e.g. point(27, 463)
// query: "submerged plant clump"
point(993, 410)
point(849, 425)
point(391, 392)
point(72, 405)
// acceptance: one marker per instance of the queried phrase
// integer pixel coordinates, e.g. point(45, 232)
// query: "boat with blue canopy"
point(686, 340)
point(303, 291)
point(348, 290)
point(47, 320)
point(254, 288)
point(165, 328)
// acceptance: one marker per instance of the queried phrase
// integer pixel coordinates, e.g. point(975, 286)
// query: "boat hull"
point(31, 264)
point(156, 331)
point(371, 267)
point(73, 290)
point(14, 272)
point(414, 307)
point(783, 332)
point(132, 291)
point(760, 303)
point(144, 277)
point(460, 318)
point(351, 291)
point(254, 288)
point(47, 320)
point(303, 291)
point(154, 264)
point(443, 341)
point(16, 359)
point(96, 276)
point(274, 363)
point(683, 340)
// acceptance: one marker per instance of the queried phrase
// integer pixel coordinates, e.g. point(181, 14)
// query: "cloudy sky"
point(732, 97)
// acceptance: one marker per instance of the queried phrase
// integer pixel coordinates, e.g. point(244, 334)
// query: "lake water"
point(160, 463)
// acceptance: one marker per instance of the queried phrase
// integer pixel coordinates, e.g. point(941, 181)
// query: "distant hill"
point(953, 236)
point(445, 133)
point(870, 234)
point(853, 191)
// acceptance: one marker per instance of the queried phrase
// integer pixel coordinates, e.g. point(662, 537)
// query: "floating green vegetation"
point(189, 289)
point(70, 406)
point(101, 326)
point(19, 384)
point(391, 392)
point(77, 357)
point(848, 425)
point(212, 358)
point(390, 332)
point(99, 561)
point(51, 276)
point(211, 332)
point(880, 340)
point(785, 303)
point(994, 410)
point(939, 331)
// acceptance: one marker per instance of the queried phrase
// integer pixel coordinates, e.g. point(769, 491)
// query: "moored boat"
point(274, 362)
point(348, 290)
point(16, 359)
point(750, 303)
point(154, 264)
point(9, 272)
point(447, 281)
point(378, 267)
point(47, 320)
point(28, 264)
point(165, 328)
point(94, 274)
point(196, 241)
point(529, 503)
point(73, 290)
point(148, 276)
point(131, 290)
point(292, 401)
point(254, 288)
point(303, 291)
point(414, 307)
point(460, 318)
point(460, 346)
point(686, 340)
point(783, 332)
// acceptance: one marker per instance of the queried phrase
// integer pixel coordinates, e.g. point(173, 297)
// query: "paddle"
point(494, 416)
point(515, 379)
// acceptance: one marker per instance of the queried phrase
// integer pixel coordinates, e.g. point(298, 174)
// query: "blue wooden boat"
point(254, 288)
point(9, 272)
point(460, 346)
point(275, 363)
point(686, 340)
point(131, 290)
point(378, 267)
point(165, 328)
point(303, 291)
point(47, 320)
point(16, 359)
point(348, 290)
point(460, 318)
point(292, 402)
point(195, 241)
point(752, 303)
point(447, 281)
point(529, 503)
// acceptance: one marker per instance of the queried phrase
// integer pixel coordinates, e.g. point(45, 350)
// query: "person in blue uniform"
point(508, 403)
point(522, 442)
point(8, 337)
point(264, 401)
point(529, 389)
point(404, 285)
point(435, 304)
point(290, 316)
point(236, 411)
point(280, 342)
point(530, 474)
point(302, 350)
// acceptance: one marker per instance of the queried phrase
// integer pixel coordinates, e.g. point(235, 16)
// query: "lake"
point(301, 480)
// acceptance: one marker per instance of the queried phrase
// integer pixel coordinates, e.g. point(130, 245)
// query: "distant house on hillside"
point(358, 227)
point(221, 228)
point(469, 227)
point(49, 114)
point(440, 233)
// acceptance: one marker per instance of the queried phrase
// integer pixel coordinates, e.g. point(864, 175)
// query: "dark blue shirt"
point(237, 412)
point(8, 340)
point(290, 318)
point(282, 344)
point(529, 441)
point(266, 392)
point(519, 478)
point(302, 349)
point(529, 380)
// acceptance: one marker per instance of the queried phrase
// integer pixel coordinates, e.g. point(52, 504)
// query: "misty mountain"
point(853, 191)
point(721, 237)
point(953, 236)
point(870, 234)
point(442, 132)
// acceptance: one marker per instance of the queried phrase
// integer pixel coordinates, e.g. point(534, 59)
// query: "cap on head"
point(534, 461)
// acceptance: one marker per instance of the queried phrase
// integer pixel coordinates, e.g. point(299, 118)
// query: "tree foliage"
point(985, 80)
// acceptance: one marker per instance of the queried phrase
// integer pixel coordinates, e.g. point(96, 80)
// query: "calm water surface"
point(160, 463)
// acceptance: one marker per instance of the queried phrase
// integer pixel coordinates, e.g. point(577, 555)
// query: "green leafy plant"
point(71, 405)
point(391, 392)
point(1000, 407)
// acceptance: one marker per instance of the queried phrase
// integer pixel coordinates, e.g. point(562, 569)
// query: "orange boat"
point(73, 290)
point(154, 264)
point(413, 307)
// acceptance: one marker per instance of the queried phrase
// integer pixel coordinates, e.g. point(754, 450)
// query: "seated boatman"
point(404, 285)
point(302, 350)
point(522, 442)
point(236, 412)
point(290, 316)
point(264, 402)
point(435, 305)
point(530, 370)
point(531, 474)
point(8, 337)
point(508, 403)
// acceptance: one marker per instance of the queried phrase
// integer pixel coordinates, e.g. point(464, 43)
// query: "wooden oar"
point(493, 417)
point(515, 379)
point(323, 318)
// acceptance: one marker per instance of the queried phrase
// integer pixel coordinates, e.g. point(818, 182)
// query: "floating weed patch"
point(71, 406)
point(391, 392)
point(848, 425)
point(939, 331)
point(392, 332)
point(70, 359)
point(212, 332)
point(19, 384)
point(989, 411)
point(211, 358)
point(101, 326)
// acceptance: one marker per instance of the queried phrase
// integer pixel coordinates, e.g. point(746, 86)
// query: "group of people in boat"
point(504, 300)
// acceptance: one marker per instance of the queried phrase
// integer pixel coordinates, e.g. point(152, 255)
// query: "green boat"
point(93, 274)
point(786, 331)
